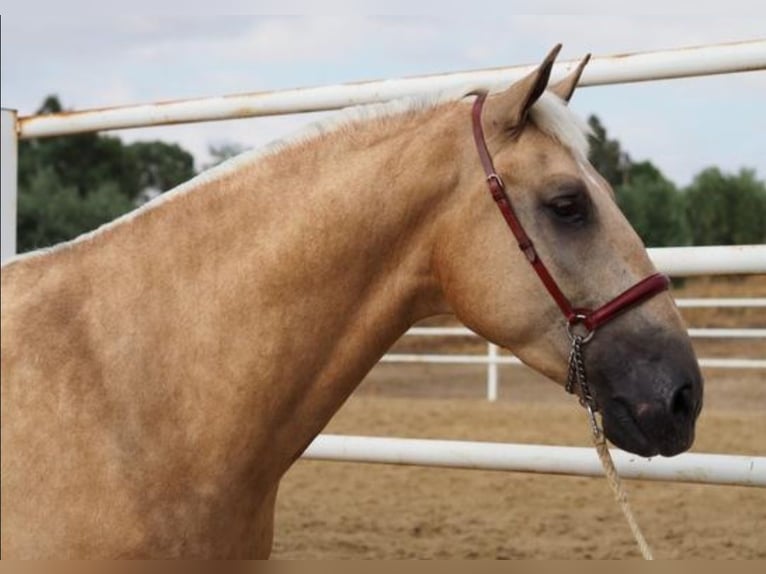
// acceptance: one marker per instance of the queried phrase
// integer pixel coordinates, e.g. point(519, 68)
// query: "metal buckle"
point(496, 187)
point(497, 179)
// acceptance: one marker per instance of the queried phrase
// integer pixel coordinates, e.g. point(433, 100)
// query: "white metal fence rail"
point(645, 66)
point(678, 261)
point(493, 357)
point(691, 467)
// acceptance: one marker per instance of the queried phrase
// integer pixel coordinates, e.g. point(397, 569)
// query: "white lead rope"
point(599, 441)
point(577, 382)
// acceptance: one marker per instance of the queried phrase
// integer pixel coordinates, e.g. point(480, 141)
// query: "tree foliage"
point(50, 212)
point(726, 209)
point(160, 166)
point(716, 209)
point(653, 205)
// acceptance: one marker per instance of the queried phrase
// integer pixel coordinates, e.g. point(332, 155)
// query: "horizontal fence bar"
point(733, 302)
point(732, 363)
point(581, 461)
point(727, 333)
point(449, 359)
point(706, 333)
point(726, 363)
point(709, 260)
point(614, 69)
point(441, 332)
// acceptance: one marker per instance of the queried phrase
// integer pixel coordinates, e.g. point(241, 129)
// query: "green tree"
point(654, 206)
point(160, 166)
point(726, 209)
point(50, 212)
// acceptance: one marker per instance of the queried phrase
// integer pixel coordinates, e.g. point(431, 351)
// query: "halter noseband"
point(589, 319)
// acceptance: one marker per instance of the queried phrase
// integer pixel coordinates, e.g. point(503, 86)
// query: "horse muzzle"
point(649, 390)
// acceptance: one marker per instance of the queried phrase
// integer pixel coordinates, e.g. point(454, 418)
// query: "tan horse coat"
point(160, 376)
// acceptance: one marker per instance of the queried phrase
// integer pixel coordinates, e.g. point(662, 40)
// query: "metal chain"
point(577, 381)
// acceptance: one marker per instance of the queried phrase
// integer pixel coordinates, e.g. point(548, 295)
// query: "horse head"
point(644, 377)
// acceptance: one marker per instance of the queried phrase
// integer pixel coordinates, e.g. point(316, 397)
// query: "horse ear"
point(509, 109)
point(565, 88)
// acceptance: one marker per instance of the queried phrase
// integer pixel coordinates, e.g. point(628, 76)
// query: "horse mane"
point(550, 114)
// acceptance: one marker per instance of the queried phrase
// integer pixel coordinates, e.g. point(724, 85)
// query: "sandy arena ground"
point(343, 510)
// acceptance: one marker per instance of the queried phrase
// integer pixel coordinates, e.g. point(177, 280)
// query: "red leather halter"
point(590, 319)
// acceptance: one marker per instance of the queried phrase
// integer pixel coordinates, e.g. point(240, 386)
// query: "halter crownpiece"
point(590, 319)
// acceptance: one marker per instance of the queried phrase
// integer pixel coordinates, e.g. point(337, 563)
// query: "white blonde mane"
point(550, 114)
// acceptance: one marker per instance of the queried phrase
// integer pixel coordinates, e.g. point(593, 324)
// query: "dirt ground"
point(345, 510)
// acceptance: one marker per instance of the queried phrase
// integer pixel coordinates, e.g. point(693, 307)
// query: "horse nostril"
point(681, 402)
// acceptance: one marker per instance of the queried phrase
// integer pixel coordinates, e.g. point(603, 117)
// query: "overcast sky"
point(680, 125)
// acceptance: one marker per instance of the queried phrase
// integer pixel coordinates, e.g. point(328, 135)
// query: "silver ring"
point(576, 320)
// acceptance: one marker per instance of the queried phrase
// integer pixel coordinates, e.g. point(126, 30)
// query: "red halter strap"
point(590, 319)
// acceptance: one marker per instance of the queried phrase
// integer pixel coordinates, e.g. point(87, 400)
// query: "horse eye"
point(569, 208)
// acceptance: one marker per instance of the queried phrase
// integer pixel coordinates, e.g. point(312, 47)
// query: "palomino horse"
point(161, 374)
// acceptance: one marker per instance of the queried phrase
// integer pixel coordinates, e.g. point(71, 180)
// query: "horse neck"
point(346, 226)
point(351, 257)
point(283, 282)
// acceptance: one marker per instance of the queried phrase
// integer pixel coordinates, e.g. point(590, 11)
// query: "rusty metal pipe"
point(616, 69)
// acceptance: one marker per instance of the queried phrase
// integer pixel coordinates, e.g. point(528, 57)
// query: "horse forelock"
point(553, 117)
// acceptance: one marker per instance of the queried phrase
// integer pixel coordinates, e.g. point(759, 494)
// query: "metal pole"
point(8, 191)
point(492, 372)
point(689, 467)
point(709, 260)
point(445, 359)
point(722, 302)
point(637, 67)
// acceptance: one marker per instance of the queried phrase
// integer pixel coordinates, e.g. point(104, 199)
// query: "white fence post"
point(492, 372)
point(8, 166)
